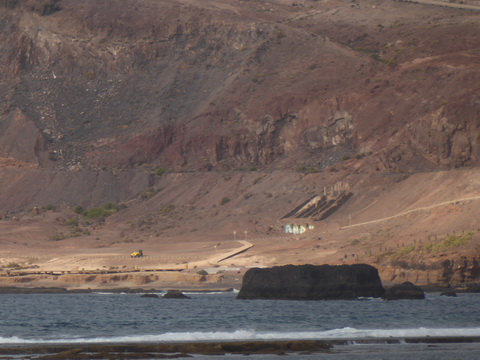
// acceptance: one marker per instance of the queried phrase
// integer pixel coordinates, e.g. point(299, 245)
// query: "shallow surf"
point(353, 328)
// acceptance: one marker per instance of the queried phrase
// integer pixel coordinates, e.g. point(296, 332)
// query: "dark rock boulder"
point(310, 282)
point(149, 296)
point(175, 294)
point(38, 290)
point(404, 291)
point(449, 293)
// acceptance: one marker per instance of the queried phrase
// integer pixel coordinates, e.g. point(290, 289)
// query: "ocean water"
point(36, 319)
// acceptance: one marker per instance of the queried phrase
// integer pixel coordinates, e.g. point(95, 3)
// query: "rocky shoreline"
point(187, 349)
point(312, 282)
point(60, 290)
point(166, 350)
point(191, 281)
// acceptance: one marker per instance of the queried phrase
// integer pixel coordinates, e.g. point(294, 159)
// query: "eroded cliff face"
point(462, 271)
point(222, 85)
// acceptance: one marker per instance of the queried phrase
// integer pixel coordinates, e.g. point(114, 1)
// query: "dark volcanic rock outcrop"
point(149, 296)
point(175, 294)
point(404, 291)
point(309, 282)
point(39, 290)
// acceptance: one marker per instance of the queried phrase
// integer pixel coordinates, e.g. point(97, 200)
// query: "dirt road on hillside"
point(446, 4)
point(450, 202)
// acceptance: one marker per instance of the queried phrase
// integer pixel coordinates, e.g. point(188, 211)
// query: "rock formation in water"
point(175, 294)
point(309, 282)
point(154, 296)
point(404, 291)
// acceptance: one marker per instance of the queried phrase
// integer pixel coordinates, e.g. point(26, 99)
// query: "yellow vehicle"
point(137, 254)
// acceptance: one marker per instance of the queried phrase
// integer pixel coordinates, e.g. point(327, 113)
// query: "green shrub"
point(365, 50)
point(389, 62)
point(102, 212)
point(167, 209)
point(453, 241)
point(75, 231)
point(160, 171)
point(111, 206)
point(57, 237)
point(72, 221)
point(403, 252)
point(79, 210)
point(307, 170)
point(90, 75)
point(149, 194)
point(96, 213)
point(202, 272)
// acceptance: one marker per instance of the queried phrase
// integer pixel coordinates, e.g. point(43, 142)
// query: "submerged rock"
point(310, 282)
point(404, 291)
point(37, 290)
point(449, 293)
point(149, 296)
point(175, 294)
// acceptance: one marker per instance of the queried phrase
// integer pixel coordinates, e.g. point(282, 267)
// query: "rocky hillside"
point(190, 106)
point(202, 85)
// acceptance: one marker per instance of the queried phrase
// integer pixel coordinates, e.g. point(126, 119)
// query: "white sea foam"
point(239, 335)
point(162, 292)
point(207, 292)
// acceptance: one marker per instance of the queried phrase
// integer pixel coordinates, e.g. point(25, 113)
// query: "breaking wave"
point(347, 333)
